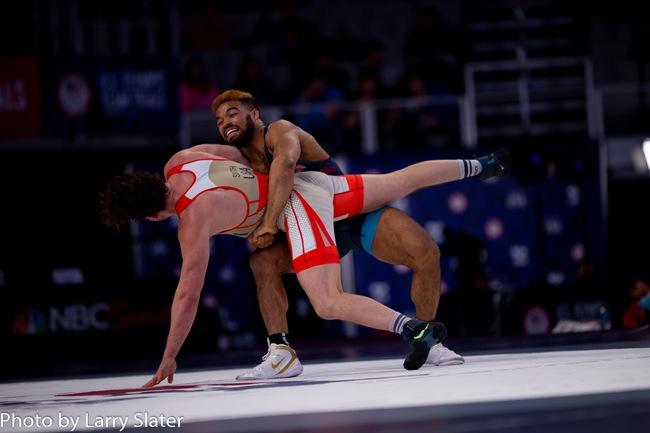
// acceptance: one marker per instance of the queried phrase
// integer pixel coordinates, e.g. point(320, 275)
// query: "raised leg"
point(381, 189)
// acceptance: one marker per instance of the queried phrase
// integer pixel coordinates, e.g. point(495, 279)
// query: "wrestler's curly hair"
point(132, 196)
point(234, 95)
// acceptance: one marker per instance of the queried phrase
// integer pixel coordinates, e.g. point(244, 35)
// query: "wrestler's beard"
point(246, 136)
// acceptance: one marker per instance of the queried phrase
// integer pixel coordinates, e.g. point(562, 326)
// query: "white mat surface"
point(323, 387)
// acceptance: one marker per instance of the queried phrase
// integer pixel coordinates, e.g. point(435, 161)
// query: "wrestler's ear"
point(255, 113)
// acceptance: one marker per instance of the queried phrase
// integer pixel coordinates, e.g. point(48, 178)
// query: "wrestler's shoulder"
point(281, 126)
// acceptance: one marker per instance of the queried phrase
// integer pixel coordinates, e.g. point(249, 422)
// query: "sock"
point(397, 322)
point(279, 338)
point(469, 167)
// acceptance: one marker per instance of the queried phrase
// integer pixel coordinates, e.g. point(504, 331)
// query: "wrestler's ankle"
point(279, 338)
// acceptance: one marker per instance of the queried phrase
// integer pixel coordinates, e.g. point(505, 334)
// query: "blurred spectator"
point(321, 119)
point(196, 92)
point(296, 30)
point(638, 310)
point(370, 85)
point(334, 75)
point(412, 83)
point(345, 46)
point(208, 30)
point(265, 29)
point(374, 57)
point(437, 47)
point(253, 79)
point(293, 40)
point(369, 88)
point(419, 126)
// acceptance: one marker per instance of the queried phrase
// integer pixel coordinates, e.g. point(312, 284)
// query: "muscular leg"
point(322, 284)
point(400, 240)
point(268, 264)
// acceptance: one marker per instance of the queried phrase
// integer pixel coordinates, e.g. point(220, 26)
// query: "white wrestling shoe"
point(280, 361)
point(440, 355)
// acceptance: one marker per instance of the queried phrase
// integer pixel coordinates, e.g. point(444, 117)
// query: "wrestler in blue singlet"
point(353, 233)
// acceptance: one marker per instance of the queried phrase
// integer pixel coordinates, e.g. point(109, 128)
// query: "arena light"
point(646, 152)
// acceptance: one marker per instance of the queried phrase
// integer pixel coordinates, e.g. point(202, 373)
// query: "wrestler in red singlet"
point(316, 201)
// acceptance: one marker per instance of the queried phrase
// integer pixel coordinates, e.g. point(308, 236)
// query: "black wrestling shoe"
point(421, 336)
point(496, 164)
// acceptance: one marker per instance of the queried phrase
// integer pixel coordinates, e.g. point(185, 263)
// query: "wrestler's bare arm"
point(286, 152)
point(194, 238)
point(195, 247)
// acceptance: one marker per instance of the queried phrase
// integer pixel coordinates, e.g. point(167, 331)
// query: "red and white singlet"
point(317, 200)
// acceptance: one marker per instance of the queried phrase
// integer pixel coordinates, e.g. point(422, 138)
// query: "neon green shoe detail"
point(417, 337)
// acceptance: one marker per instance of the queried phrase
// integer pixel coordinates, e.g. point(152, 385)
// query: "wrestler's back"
point(228, 205)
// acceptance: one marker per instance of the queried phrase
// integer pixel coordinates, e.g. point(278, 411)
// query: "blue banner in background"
point(110, 96)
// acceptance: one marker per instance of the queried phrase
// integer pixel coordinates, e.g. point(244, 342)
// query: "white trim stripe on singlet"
point(299, 228)
point(201, 170)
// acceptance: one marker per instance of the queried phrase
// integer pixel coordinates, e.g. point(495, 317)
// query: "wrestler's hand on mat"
point(263, 236)
point(166, 370)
